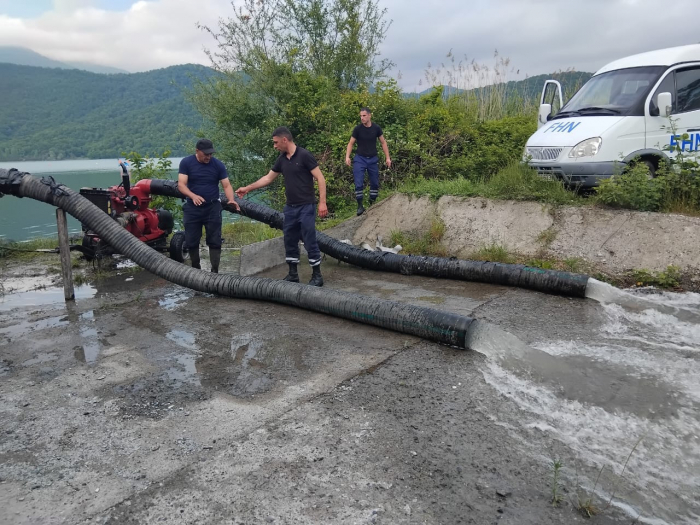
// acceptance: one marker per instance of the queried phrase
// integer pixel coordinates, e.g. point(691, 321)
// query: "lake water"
point(25, 219)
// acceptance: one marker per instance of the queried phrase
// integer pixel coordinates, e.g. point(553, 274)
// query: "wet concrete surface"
point(144, 402)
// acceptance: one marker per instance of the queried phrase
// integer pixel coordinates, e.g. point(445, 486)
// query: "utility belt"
point(211, 201)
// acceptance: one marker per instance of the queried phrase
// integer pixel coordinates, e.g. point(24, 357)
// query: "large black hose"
point(519, 275)
point(442, 327)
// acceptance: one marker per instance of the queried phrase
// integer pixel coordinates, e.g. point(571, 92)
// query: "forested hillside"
point(53, 114)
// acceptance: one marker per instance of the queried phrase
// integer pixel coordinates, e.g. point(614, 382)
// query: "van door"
point(551, 95)
point(680, 131)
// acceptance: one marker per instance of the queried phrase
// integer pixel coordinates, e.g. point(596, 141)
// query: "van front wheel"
point(651, 167)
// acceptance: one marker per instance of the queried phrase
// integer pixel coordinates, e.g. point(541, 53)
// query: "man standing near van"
point(366, 159)
point(300, 169)
point(198, 179)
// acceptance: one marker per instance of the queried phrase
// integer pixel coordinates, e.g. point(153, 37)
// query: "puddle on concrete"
point(44, 297)
point(44, 357)
point(21, 328)
point(182, 338)
point(173, 300)
point(253, 365)
point(91, 346)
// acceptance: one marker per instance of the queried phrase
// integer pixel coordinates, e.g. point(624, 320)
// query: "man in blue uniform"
point(198, 179)
point(299, 168)
point(366, 159)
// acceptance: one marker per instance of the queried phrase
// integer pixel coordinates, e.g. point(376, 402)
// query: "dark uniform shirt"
point(366, 138)
point(203, 179)
point(298, 181)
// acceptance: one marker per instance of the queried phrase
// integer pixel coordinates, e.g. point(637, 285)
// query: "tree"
point(338, 39)
point(286, 62)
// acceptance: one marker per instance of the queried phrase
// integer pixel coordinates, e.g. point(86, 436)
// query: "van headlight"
point(586, 148)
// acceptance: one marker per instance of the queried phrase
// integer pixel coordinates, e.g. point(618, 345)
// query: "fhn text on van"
point(681, 142)
point(562, 127)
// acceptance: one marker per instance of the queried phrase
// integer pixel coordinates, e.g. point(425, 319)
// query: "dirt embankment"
point(613, 240)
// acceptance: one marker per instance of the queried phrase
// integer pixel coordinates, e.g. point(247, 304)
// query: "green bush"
point(156, 167)
point(675, 188)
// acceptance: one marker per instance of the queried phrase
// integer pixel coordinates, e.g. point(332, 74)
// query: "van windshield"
point(620, 92)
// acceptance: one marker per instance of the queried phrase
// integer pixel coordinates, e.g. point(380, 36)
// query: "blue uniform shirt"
point(203, 179)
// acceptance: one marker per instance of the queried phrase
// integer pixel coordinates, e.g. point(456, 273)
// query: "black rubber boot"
point(316, 277)
point(371, 201)
point(360, 207)
point(194, 257)
point(293, 275)
point(215, 259)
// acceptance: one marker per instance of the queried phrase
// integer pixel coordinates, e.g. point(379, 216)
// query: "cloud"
point(148, 35)
point(538, 36)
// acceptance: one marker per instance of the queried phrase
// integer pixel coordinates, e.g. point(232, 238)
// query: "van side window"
point(688, 87)
point(668, 85)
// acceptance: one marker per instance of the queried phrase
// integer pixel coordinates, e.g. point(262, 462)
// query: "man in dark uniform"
point(366, 159)
point(198, 179)
point(299, 168)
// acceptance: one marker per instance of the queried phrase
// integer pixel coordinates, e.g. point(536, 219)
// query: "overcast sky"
point(537, 36)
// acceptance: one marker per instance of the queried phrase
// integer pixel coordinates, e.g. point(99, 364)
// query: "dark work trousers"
point(207, 215)
point(361, 164)
point(300, 224)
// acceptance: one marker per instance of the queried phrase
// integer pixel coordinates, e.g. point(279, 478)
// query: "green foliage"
point(519, 182)
point(541, 263)
point(427, 243)
point(55, 114)
point(669, 278)
point(244, 232)
point(493, 253)
point(27, 250)
point(157, 167)
point(556, 487)
point(515, 182)
point(675, 188)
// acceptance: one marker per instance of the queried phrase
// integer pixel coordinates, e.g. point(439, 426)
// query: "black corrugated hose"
point(434, 325)
point(519, 275)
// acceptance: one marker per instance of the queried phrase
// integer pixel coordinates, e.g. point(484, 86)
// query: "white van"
point(623, 113)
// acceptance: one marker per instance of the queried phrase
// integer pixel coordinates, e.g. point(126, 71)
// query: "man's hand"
point(322, 209)
point(348, 161)
point(235, 205)
point(388, 163)
point(241, 192)
point(197, 200)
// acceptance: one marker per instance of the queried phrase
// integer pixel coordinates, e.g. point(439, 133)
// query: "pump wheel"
point(178, 250)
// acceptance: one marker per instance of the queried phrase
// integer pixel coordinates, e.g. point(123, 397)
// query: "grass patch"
point(432, 299)
point(338, 217)
point(439, 188)
point(546, 237)
point(514, 182)
point(668, 278)
point(27, 250)
point(428, 243)
point(494, 253)
point(240, 233)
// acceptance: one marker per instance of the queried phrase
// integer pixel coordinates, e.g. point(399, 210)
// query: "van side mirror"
point(664, 101)
point(544, 114)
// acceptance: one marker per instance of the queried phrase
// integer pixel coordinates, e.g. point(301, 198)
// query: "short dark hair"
point(366, 109)
point(283, 132)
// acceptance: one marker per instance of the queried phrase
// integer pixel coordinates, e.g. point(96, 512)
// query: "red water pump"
point(129, 207)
